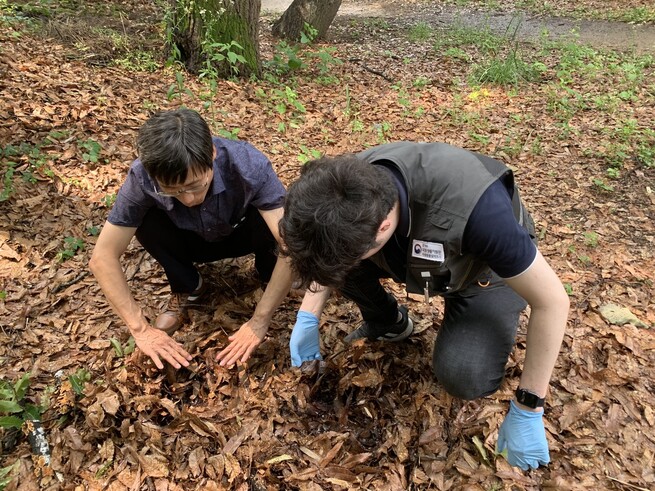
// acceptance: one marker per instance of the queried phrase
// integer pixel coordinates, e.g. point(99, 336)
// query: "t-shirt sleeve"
point(269, 192)
point(132, 201)
point(493, 234)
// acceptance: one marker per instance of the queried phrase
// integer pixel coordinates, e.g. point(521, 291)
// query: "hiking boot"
point(176, 313)
point(384, 332)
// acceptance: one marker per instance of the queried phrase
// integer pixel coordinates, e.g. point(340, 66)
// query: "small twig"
point(374, 72)
point(230, 287)
point(626, 483)
point(66, 284)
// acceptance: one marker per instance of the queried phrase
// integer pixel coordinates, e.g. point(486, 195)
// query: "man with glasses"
point(192, 198)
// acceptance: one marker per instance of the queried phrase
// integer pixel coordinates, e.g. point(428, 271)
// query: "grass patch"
point(635, 13)
point(420, 32)
point(460, 35)
point(508, 69)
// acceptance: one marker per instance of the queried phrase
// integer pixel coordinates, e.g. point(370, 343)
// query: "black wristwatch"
point(529, 399)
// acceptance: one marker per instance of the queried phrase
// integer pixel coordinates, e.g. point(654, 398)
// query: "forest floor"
point(575, 123)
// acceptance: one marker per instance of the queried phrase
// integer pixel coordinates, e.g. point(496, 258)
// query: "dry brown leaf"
point(370, 378)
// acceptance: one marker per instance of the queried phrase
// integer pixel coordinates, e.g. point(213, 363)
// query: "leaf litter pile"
point(373, 417)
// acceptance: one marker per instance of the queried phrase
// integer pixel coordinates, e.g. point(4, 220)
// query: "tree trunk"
point(195, 24)
point(317, 13)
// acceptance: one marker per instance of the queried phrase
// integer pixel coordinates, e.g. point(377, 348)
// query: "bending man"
point(193, 198)
point(444, 221)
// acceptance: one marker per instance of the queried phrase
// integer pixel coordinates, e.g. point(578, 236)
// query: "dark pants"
point(177, 250)
point(475, 339)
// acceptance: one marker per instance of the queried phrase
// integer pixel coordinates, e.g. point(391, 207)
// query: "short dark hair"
point(172, 143)
point(332, 214)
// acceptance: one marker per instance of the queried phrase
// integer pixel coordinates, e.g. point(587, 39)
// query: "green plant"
point(7, 180)
point(646, 153)
point(104, 468)
point(461, 35)
point(308, 33)
point(93, 230)
point(120, 350)
point(285, 59)
point(420, 32)
point(613, 173)
point(3, 295)
point(5, 477)
point(506, 70)
point(568, 288)
point(232, 134)
point(294, 57)
point(357, 126)
point(512, 145)
point(178, 89)
point(483, 139)
point(382, 131)
point(14, 411)
point(308, 154)
point(457, 53)
point(537, 147)
point(591, 239)
point(27, 157)
point(420, 82)
point(216, 53)
point(108, 200)
point(403, 96)
point(90, 150)
point(285, 103)
point(325, 61)
point(584, 259)
point(636, 15)
point(79, 379)
point(599, 183)
point(71, 246)
point(137, 60)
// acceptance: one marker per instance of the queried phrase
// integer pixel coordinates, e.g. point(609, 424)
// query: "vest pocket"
point(430, 276)
point(441, 221)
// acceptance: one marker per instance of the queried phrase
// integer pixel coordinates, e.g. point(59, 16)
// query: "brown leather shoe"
point(176, 311)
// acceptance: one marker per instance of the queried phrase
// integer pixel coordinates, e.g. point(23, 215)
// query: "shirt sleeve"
point(269, 192)
point(132, 201)
point(493, 234)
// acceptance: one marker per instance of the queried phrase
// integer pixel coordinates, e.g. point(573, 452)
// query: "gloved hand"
point(524, 436)
point(305, 343)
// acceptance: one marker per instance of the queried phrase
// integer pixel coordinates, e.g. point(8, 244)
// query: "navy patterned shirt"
point(243, 176)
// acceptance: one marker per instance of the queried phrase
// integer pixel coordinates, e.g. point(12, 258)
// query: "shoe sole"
point(392, 337)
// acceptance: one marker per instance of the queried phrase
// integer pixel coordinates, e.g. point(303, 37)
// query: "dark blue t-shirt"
point(492, 233)
point(243, 177)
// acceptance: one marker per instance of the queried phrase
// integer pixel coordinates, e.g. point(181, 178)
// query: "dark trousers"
point(177, 250)
point(476, 336)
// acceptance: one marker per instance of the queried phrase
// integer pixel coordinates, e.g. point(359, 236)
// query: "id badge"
point(430, 251)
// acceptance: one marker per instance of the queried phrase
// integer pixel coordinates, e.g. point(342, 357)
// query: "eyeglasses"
point(191, 190)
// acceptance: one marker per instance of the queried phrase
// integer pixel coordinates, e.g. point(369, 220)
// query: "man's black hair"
point(173, 143)
point(332, 214)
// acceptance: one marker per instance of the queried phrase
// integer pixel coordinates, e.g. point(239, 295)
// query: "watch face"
point(529, 399)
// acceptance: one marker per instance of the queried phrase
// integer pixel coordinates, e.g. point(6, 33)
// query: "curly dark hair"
point(332, 214)
point(173, 143)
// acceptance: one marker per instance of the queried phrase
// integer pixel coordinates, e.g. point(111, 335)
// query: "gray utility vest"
point(444, 183)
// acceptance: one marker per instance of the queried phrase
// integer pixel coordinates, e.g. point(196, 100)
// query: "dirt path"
point(617, 35)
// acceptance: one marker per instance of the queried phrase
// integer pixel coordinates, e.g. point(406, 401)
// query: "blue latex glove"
point(524, 436)
point(305, 341)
